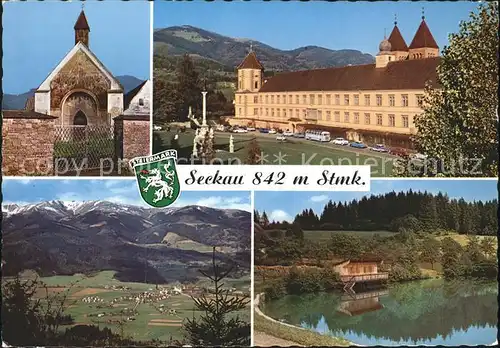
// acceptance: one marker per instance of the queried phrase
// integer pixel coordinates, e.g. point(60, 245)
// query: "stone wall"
point(132, 136)
point(27, 143)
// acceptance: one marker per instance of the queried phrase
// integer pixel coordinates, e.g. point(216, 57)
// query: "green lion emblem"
point(157, 178)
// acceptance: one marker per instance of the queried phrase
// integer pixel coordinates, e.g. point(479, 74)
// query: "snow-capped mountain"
point(70, 207)
point(61, 237)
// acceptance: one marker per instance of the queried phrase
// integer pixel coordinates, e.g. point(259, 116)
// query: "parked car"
point(419, 156)
point(379, 148)
point(280, 137)
point(287, 133)
point(264, 130)
point(240, 130)
point(358, 145)
point(272, 131)
point(299, 135)
point(398, 151)
point(340, 141)
point(157, 128)
point(251, 129)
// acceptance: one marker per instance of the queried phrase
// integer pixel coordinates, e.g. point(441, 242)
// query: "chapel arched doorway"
point(80, 119)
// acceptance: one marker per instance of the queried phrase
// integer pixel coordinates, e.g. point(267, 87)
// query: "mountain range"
point(56, 237)
point(230, 52)
point(18, 101)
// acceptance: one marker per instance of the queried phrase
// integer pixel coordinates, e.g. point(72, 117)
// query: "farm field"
point(292, 151)
point(112, 304)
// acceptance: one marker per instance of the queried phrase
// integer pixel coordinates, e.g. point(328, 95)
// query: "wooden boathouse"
point(360, 271)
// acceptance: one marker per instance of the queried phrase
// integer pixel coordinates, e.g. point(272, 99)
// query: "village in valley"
point(145, 312)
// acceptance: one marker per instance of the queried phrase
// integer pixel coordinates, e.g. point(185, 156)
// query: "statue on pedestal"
point(231, 144)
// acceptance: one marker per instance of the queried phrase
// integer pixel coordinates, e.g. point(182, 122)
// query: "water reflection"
point(353, 303)
point(425, 312)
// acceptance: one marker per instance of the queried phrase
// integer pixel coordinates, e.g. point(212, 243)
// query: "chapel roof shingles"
point(397, 75)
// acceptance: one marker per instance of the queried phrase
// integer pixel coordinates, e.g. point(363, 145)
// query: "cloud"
point(280, 215)
point(319, 198)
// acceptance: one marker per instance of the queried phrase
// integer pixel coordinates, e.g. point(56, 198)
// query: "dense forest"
point(393, 211)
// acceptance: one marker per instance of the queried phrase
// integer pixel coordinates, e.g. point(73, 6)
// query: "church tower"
point(385, 55)
point(82, 30)
point(398, 44)
point(250, 74)
point(423, 44)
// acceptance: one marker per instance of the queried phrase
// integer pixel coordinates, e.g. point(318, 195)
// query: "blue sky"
point(125, 191)
point(285, 205)
point(334, 25)
point(37, 35)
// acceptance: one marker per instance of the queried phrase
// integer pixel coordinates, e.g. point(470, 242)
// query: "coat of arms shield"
point(157, 178)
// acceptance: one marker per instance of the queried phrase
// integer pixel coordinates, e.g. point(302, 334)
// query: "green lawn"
point(326, 235)
point(293, 151)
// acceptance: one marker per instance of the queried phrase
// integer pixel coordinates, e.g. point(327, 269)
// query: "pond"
point(430, 312)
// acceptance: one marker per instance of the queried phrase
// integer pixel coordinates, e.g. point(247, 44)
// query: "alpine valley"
point(139, 244)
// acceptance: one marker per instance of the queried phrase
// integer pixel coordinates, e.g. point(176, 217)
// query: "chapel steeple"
point(423, 44)
point(82, 29)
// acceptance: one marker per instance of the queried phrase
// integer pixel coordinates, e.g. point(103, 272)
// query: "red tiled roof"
point(404, 74)
point(81, 22)
point(251, 62)
point(423, 37)
point(397, 41)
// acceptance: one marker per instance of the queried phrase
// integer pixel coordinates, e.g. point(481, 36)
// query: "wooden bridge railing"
point(364, 277)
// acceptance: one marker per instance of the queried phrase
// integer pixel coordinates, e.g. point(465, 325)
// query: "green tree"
point(460, 118)
point(265, 219)
point(256, 216)
point(166, 102)
point(214, 327)
point(188, 87)
point(451, 257)
point(487, 246)
point(473, 249)
point(430, 251)
point(254, 152)
point(345, 246)
point(428, 214)
point(297, 232)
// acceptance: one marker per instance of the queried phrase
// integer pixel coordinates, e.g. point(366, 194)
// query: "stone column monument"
point(204, 123)
point(231, 144)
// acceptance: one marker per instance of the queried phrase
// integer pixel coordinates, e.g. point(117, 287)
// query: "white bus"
point(318, 135)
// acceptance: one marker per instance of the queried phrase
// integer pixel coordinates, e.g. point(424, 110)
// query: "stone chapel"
point(80, 90)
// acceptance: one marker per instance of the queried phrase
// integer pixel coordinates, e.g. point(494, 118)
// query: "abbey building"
point(374, 103)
